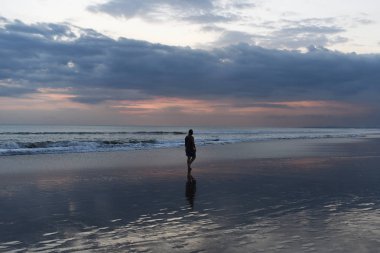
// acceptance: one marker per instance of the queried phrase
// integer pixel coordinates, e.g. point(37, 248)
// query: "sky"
point(256, 63)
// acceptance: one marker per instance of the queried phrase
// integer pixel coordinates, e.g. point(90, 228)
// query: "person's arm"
point(193, 142)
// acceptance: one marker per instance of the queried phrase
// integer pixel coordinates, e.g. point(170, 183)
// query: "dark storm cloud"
point(294, 36)
point(42, 29)
point(289, 34)
point(284, 34)
point(149, 8)
point(192, 11)
point(234, 37)
point(96, 95)
point(132, 8)
point(14, 91)
point(96, 68)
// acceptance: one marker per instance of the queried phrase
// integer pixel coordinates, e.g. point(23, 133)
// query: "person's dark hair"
point(191, 132)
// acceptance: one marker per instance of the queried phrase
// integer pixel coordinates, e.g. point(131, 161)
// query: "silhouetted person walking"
point(190, 149)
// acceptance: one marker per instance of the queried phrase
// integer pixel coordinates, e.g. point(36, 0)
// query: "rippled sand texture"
point(320, 204)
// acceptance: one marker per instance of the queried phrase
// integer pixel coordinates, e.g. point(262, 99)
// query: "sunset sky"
point(284, 63)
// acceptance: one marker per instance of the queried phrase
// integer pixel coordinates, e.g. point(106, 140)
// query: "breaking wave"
point(72, 139)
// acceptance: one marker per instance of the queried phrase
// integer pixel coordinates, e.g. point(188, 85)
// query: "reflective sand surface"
point(320, 204)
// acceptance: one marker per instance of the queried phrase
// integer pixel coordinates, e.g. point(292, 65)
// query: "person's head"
point(191, 132)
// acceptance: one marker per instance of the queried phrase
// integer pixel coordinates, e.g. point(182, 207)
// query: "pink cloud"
point(179, 111)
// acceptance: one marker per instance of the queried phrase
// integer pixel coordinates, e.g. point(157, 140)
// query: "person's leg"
point(188, 163)
point(192, 159)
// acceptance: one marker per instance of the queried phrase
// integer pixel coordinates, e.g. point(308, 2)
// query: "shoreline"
point(170, 157)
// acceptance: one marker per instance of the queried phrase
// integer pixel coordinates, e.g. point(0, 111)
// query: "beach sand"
point(275, 196)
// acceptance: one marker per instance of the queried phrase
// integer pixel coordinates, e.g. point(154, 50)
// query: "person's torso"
point(189, 142)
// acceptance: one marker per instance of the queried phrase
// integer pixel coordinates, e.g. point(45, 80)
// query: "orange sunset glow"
point(52, 100)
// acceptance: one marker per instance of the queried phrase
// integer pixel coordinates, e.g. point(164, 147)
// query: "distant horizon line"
point(186, 126)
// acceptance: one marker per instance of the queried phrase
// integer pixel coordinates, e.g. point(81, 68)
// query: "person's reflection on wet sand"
point(191, 188)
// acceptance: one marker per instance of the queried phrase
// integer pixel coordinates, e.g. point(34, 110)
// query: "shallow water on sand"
point(268, 205)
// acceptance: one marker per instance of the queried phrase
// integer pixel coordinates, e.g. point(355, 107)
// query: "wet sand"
point(278, 196)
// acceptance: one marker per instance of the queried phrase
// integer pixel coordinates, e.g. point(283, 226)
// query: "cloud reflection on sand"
point(332, 228)
point(328, 204)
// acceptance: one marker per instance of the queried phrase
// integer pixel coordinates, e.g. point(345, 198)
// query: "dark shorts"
point(191, 154)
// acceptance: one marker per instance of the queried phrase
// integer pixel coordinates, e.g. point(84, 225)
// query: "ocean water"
point(311, 203)
point(21, 140)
